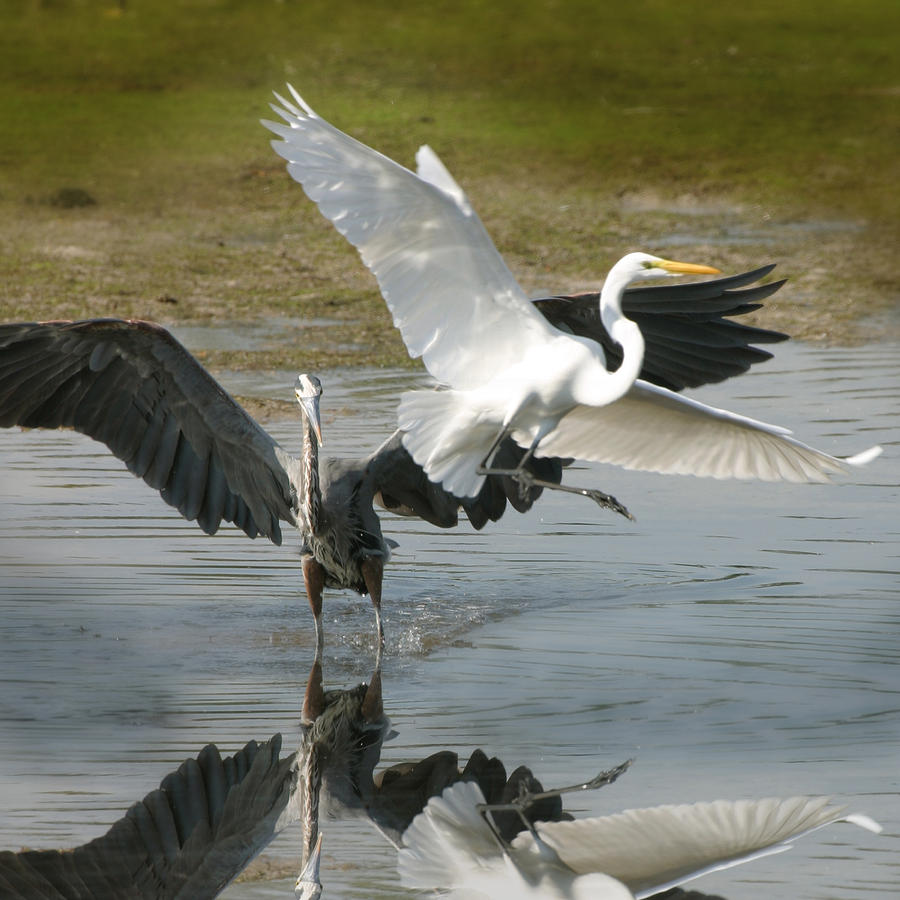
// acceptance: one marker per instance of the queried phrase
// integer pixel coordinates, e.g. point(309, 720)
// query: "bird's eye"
point(648, 264)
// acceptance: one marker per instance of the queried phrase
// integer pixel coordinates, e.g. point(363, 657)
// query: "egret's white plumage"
point(636, 853)
point(458, 306)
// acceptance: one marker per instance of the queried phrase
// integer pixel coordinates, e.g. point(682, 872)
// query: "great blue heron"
point(509, 371)
point(131, 385)
point(189, 838)
point(453, 846)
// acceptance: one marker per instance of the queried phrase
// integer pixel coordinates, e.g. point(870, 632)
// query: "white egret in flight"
point(509, 372)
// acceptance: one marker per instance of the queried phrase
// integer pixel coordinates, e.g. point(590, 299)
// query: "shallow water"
point(739, 640)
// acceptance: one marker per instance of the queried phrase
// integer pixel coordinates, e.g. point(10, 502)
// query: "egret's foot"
point(607, 501)
point(526, 481)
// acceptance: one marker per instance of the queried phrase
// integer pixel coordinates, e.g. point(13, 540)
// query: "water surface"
point(738, 639)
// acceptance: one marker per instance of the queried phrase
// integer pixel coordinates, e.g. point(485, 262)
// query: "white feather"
point(654, 849)
point(449, 290)
point(657, 430)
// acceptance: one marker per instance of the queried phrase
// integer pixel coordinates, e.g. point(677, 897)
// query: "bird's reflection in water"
point(479, 833)
point(464, 827)
point(189, 838)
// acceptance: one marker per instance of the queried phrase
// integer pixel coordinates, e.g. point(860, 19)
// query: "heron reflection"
point(189, 838)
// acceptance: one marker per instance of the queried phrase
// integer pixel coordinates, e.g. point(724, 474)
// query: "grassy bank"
point(580, 130)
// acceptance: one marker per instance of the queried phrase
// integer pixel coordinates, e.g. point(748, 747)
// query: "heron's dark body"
point(343, 529)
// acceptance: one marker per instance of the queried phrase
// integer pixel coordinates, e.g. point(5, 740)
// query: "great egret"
point(452, 846)
point(131, 385)
point(189, 838)
point(459, 307)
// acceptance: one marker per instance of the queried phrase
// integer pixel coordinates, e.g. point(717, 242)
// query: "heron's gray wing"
point(131, 385)
point(657, 848)
point(689, 336)
point(188, 839)
point(400, 485)
point(453, 298)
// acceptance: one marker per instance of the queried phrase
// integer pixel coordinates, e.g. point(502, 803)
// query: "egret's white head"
point(636, 266)
point(308, 390)
point(308, 886)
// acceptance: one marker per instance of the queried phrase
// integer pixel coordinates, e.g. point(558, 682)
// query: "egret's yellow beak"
point(683, 268)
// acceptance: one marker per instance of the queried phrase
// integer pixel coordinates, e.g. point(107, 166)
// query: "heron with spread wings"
point(508, 371)
point(135, 388)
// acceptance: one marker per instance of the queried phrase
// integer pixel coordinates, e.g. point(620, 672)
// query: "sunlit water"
point(739, 639)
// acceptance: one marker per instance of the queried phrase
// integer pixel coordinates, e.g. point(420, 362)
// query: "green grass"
point(153, 109)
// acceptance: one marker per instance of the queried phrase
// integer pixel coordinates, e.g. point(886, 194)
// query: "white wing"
point(453, 298)
point(657, 430)
point(654, 849)
point(447, 840)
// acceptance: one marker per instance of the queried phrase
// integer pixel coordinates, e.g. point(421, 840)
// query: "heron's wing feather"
point(654, 849)
point(689, 336)
point(448, 841)
point(453, 298)
point(188, 838)
point(400, 485)
point(132, 386)
point(656, 430)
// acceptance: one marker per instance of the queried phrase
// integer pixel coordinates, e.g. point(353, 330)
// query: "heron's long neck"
point(311, 495)
point(623, 331)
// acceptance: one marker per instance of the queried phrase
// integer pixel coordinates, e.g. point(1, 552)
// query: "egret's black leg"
point(526, 798)
point(527, 481)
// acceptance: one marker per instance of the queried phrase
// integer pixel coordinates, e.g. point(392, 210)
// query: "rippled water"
point(739, 639)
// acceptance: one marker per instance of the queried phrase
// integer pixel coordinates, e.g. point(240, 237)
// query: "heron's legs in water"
point(314, 697)
point(372, 568)
point(526, 480)
point(314, 579)
point(527, 798)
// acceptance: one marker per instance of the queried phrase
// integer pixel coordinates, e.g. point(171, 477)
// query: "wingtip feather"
point(862, 459)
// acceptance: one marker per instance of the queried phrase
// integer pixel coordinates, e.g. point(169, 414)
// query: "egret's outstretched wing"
point(656, 430)
point(453, 298)
point(657, 848)
point(689, 336)
point(400, 484)
point(189, 838)
point(131, 385)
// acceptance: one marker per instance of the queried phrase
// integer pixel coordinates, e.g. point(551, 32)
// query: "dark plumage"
point(187, 839)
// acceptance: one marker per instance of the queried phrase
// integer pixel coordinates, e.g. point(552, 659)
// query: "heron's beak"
point(308, 885)
point(682, 268)
point(311, 408)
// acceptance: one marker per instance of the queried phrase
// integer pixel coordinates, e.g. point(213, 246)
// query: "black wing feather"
point(131, 385)
point(689, 338)
point(188, 838)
